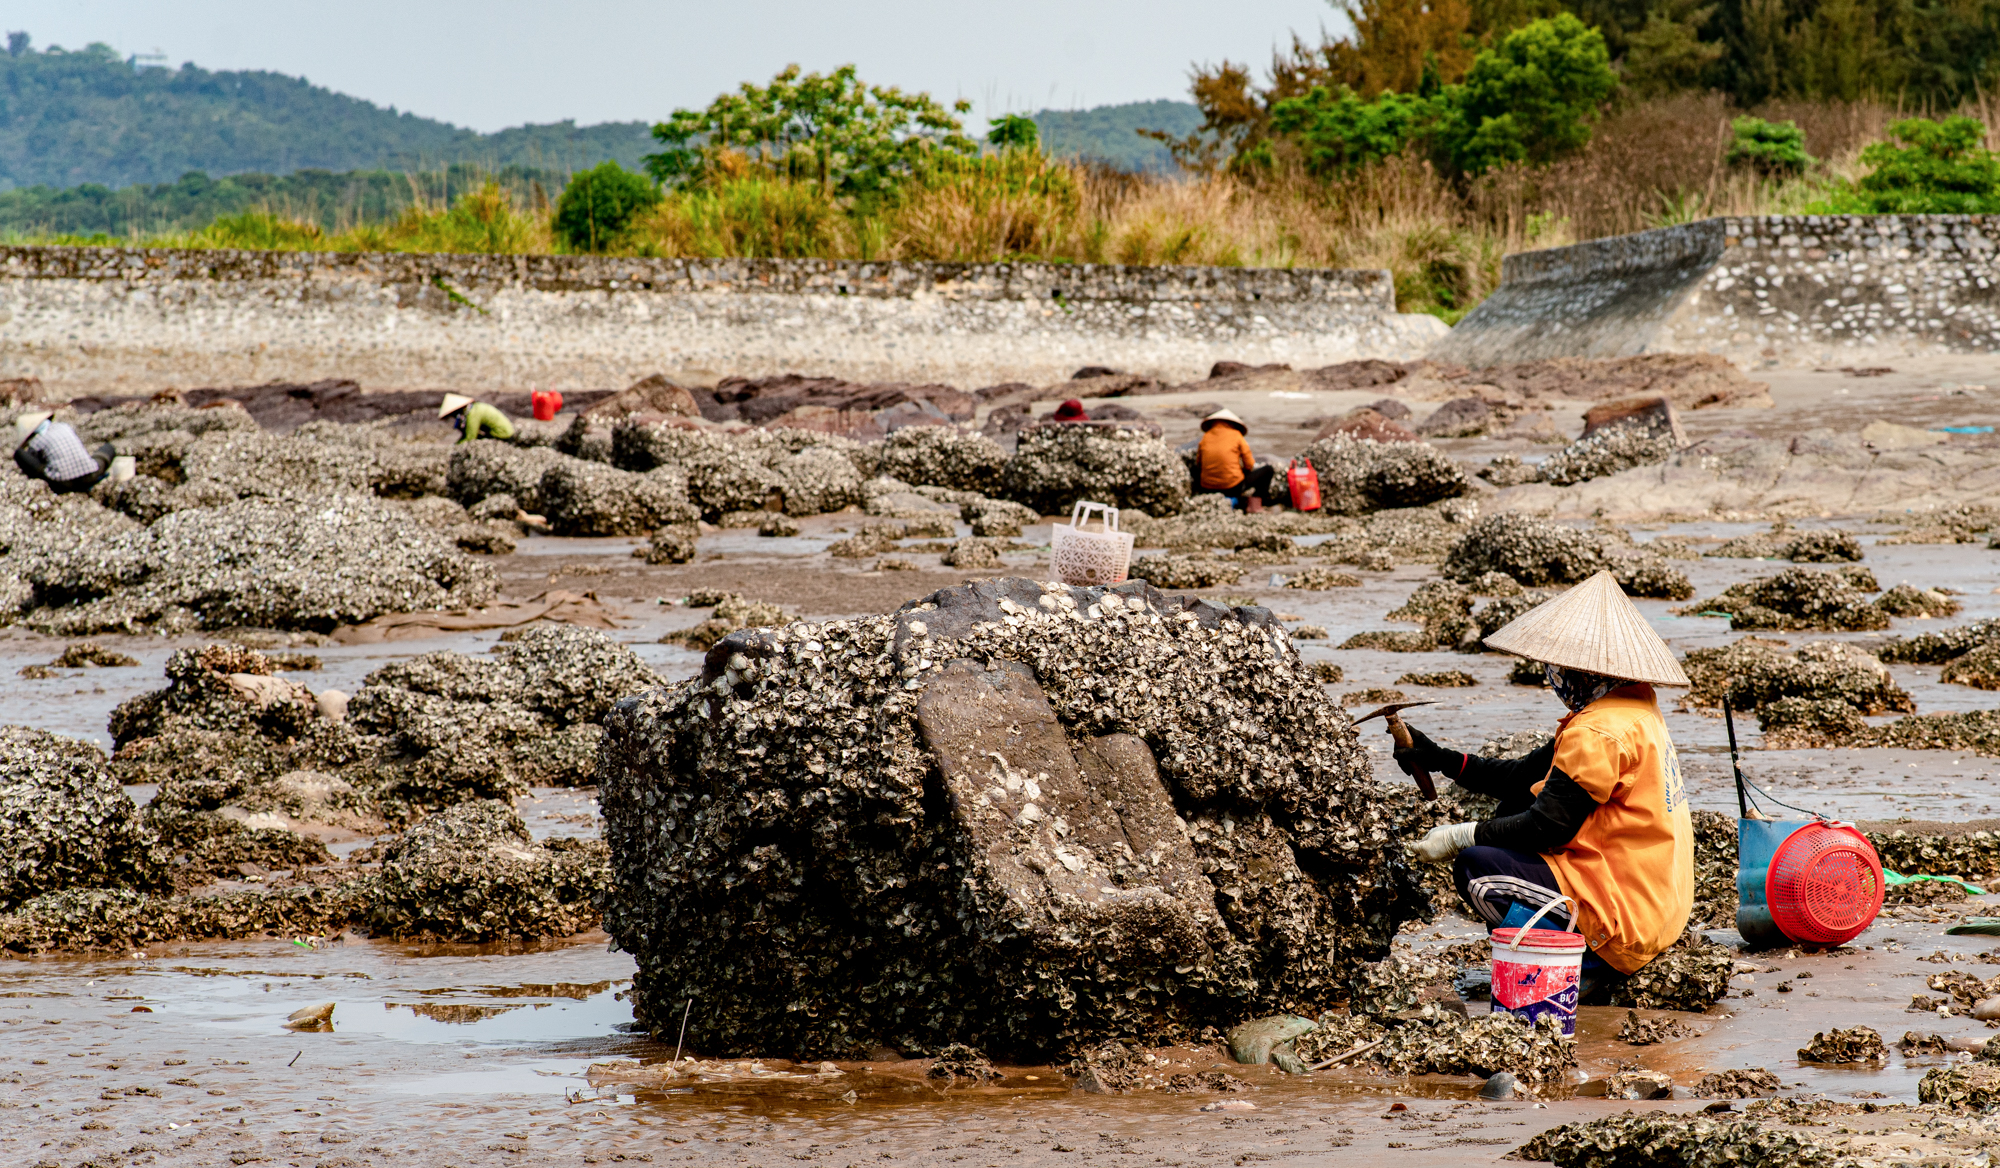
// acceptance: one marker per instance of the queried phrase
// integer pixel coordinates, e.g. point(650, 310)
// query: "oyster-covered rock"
point(1661, 1138)
point(1747, 1083)
point(1753, 672)
point(592, 498)
point(1185, 571)
point(942, 456)
point(1360, 474)
point(65, 822)
point(1057, 464)
point(1799, 598)
point(1690, 977)
point(482, 469)
point(1852, 1044)
point(473, 873)
point(1606, 452)
point(1020, 816)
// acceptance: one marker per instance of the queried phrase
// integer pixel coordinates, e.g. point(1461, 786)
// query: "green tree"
point(1340, 133)
point(1531, 98)
point(599, 204)
point(1774, 148)
point(1014, 132)
point(1667, 53)
point(854, 138)
point(1941, 168)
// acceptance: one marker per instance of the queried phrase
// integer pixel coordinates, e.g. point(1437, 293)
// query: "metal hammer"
point(1392, 714)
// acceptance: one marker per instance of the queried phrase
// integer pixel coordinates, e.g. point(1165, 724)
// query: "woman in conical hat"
point(1599, 815)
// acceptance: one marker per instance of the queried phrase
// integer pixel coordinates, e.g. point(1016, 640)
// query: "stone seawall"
point(1768, 290)
point(130, 320)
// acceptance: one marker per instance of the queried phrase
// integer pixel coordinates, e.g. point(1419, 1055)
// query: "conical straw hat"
point(1595, 628)
point(1225, 416)
point(452, 403)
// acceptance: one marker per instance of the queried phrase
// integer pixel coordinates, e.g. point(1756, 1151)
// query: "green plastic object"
point(1895, 878)
point(1975, 926)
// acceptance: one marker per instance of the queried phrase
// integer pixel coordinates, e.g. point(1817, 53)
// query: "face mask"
point(1576, 688)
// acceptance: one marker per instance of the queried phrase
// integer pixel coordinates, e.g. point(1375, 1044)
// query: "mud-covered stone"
point(1322, 579)
point(1058, 464)
point(117, 919)
point(473, 873)
point(1358, 475)
point(1442, 1042)
point(1006, 802)
point(959, 1061)
point(65, 822)
point(1852, 1044)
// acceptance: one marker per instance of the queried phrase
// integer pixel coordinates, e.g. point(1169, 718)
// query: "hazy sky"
point(500, 63)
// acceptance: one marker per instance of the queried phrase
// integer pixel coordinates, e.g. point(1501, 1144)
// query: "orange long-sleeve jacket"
point(1224, 456)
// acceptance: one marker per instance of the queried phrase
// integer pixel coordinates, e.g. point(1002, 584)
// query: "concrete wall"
point(129, 320)
point(1770, 290)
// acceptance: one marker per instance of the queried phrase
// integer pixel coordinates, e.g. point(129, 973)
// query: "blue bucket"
point(1757, 841)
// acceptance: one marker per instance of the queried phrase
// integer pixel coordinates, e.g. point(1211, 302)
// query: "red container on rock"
point(547, 404)
point(1302, 481)
point(1539, 975)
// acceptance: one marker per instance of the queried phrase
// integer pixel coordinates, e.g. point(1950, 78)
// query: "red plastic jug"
point(547, 404)
point(1302, 481)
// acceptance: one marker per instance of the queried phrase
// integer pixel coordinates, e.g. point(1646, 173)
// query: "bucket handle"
point(1522, 932)
point(1080, 513)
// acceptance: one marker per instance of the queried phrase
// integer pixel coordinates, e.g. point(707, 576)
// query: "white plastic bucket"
point(1537, 972)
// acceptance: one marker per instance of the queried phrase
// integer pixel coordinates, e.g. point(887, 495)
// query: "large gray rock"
point(1026, 817)
point(483, 468)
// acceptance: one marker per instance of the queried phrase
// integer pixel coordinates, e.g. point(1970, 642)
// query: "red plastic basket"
point(1824, 885)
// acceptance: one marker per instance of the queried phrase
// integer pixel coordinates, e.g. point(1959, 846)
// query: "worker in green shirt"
point(474, 419)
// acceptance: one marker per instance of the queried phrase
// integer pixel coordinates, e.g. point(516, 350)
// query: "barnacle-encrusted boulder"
point(941, 456)
point(1535, 552)
point(473, 873)
point(1800, 598)
point(1185, 571)
point(1026, 817)
point(266, 563)
point(1061, 462)
point(590, 498)
point(484, 468)
point(1360, 474)
point(64, 820)
point(1754, 672)
point(1606, 452)
point(1853, 1044)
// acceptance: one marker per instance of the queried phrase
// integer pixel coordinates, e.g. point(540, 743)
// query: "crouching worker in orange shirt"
point(1599, 815)
point(1227, 466)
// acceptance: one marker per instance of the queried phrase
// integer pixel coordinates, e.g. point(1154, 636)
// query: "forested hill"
point(1110, 133)
point(90, 116)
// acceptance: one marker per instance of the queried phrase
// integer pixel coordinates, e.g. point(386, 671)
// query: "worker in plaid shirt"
point(50, 450)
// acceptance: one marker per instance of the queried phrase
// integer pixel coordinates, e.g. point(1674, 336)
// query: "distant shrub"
point(1014, 132)
point(1773, 148)
point(600, 203)
point(1941, 168)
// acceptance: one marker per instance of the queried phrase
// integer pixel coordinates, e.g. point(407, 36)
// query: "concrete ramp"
point(1763, 291)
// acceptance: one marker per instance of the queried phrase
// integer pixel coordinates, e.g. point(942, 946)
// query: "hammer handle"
point(1401, 733)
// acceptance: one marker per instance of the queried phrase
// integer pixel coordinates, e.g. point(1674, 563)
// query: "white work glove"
point(1444, 842)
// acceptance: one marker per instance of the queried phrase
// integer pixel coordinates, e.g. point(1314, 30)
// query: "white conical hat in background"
point(1593, 627)
point(452, 403)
